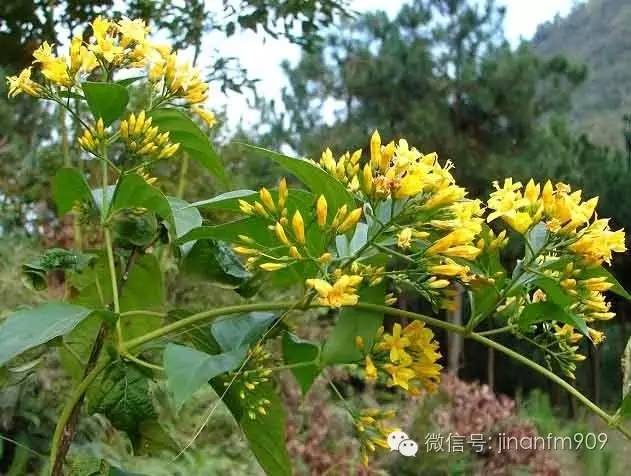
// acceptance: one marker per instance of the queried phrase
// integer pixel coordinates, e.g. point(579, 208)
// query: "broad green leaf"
point(188, 369)
point(106, 100)
point(216, 262)
point(296, 351)
point(191, 138)
point(69, 187)
point(265, 433)
point(554, 292)
point(123, 396)
point(340, 347)
point(26, 329)
point(133, 192)
point(253, 227)
point(185, 218)
point(237, 331)
point(600, 271)
point(537, 238)
point(549, 311)
point(625, 406)
point(314, 178)
point(296, 199)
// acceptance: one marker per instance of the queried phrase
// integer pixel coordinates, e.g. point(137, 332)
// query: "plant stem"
point(114, 281)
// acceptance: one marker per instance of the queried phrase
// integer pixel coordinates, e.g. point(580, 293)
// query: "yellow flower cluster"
point(564, 214)
point(145, 140)
point(343, 292)
point(93, 139)
point(113, 46)
point(290, 232)
point(408, 357)
point(256, 373)
point(372, 431)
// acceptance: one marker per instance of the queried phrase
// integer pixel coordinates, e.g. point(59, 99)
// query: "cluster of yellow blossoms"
point(143, 139)
point(111, 47)
point(408, 356)
point(372, 431)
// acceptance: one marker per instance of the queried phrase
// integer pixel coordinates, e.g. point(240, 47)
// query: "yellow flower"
point(399, 375)
point(283, 193)
point(371, 370)
point(342, 293)
point(597, 243)
point(396, 344)
point(321, 211)
point(23, 84)
point(350, 221)
point(596, 336)
point(132, 31)
point(450, 268)
point(298, 226)
point(280, 234)
point(567, 332)
point(208, 117)
point(267, 199)
point(404, 238)
point(272, 266)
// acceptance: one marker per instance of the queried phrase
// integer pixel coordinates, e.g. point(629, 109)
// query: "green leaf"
point(265, 433)
point(296, 351)
point(549, 311)
point(242, 330)
point(106, 100)
point(360, 238)
point(554, 292)
point(191, 138)
point(340, 346)
point(69, 186)
point(314, 178)
point(188, 369)
point(26, 329)
point(54, 259)
point(216, 262)
point(124, 397)
point(185, 218)
point(133, 192)
point(254, 227)
point(296, 199)
point(537, 238)
point(600, 271)
point(127, 81)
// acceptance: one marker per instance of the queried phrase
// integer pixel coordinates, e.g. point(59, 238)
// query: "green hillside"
point(596, 33)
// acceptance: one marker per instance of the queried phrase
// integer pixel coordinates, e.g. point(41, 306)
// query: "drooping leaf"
point(242, 330)
point(123, 396)
point(185, 218)
point(265, 433)
point(298, 351)
point(549, 311)
point(188, 369)
point(191, 138)
point(314, 178)
point(69, 187)
point(26, 329)
point(600, 271)
point(106, 100)
point(340, 347)
point(216, 262)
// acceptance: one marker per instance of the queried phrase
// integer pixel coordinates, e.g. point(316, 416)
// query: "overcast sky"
point(263, 58)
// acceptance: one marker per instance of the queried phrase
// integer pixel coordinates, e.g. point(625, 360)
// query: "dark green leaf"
point(191, 138)
point(215, 261)
point(123, 396)
point(69, 187)
point(253, 227)
point(340, 346)
point(188, 369)
point(106, 100)
point(600, 271)
point(133, 192)
point(548, 311)
point(237, 331)
point(297, 351)
point(26, 329)
point(314, 178)
point(265, 433)
point(554, 292)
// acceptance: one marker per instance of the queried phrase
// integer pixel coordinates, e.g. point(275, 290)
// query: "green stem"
point(499, 330)
point(74, 399)
point(114, 281)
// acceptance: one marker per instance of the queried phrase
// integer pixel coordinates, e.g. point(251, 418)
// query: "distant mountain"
point(596, 33)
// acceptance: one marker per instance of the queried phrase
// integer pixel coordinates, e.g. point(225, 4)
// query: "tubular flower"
point(408, 357)
point(404, 238)
point(143, 139)
point(321, 211)
point(23, 84)
point(93, 139)
point(342, 293)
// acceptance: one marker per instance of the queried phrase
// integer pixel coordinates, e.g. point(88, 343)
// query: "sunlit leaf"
point(106, 100)
point(70, 187)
